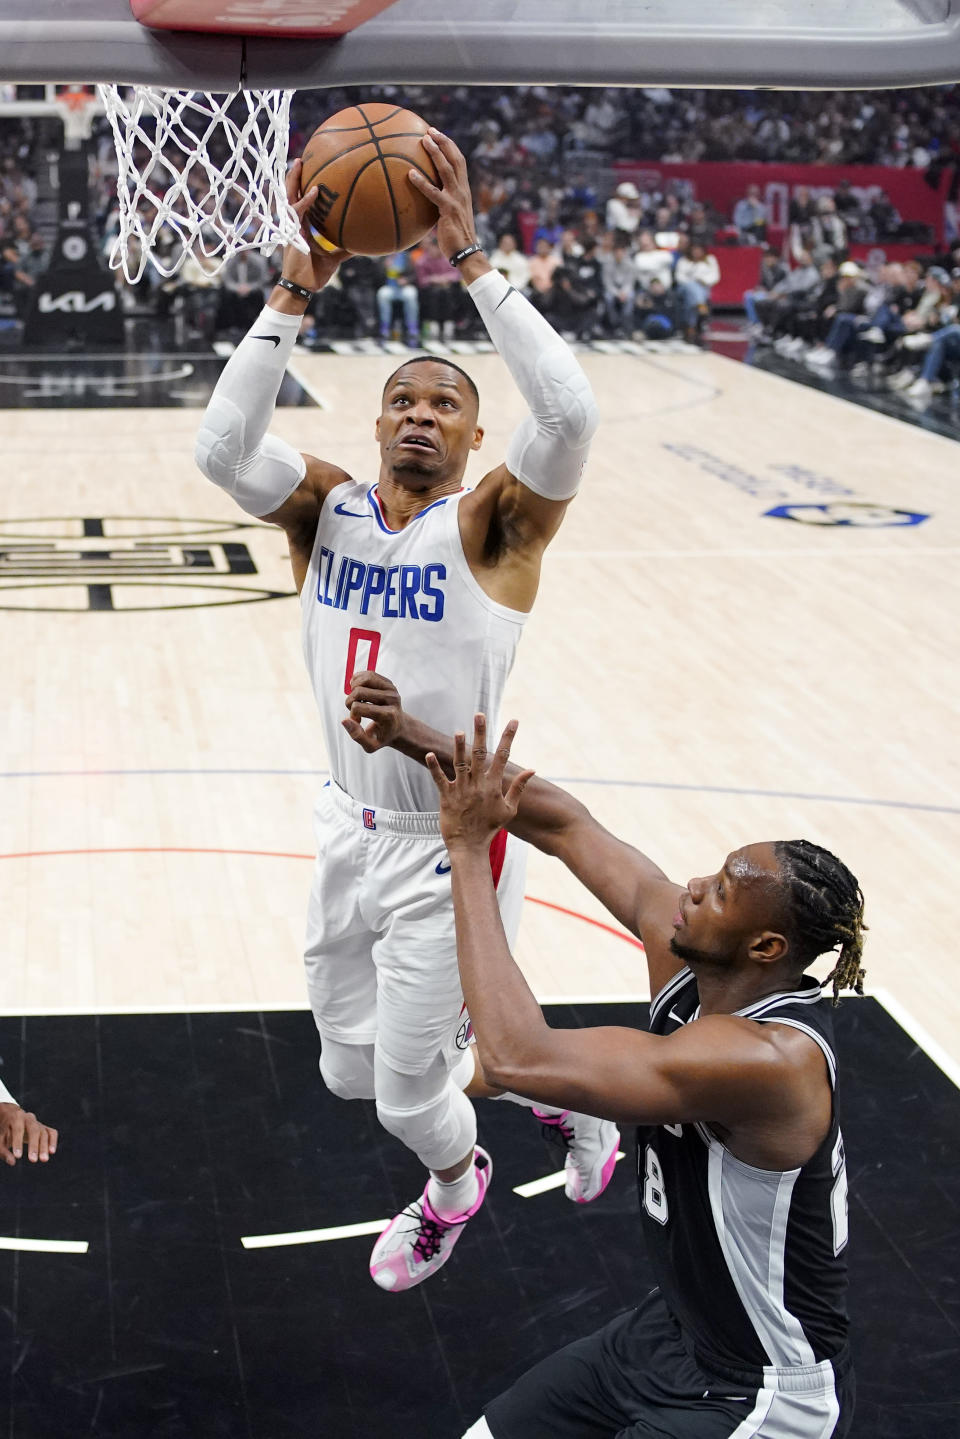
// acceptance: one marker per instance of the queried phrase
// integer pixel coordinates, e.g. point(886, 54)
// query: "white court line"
point(758, 553)
point(293, 368)
point(838, 399)
point(47, 1246)
point(930, 1046)
point(549, 1181)
point(314, 1236)
point(256, 1006)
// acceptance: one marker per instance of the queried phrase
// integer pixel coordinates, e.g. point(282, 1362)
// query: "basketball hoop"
point(211, 168)
point(77, 105)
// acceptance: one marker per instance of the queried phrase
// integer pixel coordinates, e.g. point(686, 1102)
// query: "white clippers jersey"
point(406, 604)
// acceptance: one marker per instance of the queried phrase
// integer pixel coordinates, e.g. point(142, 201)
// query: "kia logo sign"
point(75, 302)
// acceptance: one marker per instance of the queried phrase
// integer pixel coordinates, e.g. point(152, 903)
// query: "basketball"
point(359, 160)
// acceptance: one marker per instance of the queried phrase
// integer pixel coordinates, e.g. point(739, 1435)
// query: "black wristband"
point(299, 290)
point(461, 255)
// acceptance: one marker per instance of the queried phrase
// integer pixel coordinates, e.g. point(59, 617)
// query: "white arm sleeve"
point(233, 448)
point(549, 448)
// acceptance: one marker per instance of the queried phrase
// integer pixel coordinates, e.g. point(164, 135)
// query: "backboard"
point(793, 44)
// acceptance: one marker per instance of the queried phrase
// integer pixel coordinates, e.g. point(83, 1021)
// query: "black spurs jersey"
point(751, 1262)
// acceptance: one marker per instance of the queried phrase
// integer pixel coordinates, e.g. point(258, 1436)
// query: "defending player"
point(741, 1170)
point(435, 583)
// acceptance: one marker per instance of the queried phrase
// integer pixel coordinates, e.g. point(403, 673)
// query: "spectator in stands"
point(944, 349)
point(695, 275)
point(441, 303)
point(828, 233)
point(698, 226)
point(619, 284)
point(399, 288)
point(750, 217)
point(773, 272)
point(847, 204)
point(790, 296)
point(511, 262)
point(543, 266)
point(579, 293)
point(657, 310)
point(848, 321)
point(652, 263)
point(245, 279)
point(550, 228)
point(935, 308)
point(624, 209)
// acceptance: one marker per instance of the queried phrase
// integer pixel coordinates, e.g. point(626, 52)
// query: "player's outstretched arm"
point(722, 1069)
point(546, 456)
point(265, 475)
point(634, 889)
point(18, 1125)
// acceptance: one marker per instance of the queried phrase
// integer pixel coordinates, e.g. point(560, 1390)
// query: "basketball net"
point(210, 168)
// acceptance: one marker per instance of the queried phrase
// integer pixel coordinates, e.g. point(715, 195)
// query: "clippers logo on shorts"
point(465, 1032)
point(369, 819)
point(397, 592)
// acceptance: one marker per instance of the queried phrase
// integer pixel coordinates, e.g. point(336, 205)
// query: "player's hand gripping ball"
point(358, 160)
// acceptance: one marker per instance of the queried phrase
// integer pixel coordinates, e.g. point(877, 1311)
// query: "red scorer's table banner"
point(286, 19)
point(723, 183)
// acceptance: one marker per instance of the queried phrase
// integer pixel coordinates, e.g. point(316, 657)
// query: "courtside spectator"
point(695, 275)
point(773, 272)
point(651, 262)
point(619, 285)
point(399, 288)
point(544, 263)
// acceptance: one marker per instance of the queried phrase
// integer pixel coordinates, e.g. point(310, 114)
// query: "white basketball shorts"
point(380, 953)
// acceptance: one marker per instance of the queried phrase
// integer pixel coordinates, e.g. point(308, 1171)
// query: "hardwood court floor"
point(712, 660)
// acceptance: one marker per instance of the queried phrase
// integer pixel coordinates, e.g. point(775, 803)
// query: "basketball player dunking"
point(740, 1162)
point(433, 582)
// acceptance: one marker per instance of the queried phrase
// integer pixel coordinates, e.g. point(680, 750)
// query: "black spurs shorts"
point(634, 1379)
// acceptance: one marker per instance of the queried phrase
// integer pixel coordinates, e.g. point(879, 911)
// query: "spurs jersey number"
point(839, 1202)
point(654, 1194)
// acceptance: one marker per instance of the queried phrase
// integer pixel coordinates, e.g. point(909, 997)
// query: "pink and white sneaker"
point(591, 1146)
point(418, 1242)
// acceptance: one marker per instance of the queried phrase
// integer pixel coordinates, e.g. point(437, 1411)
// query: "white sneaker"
point(591, 1146)
point(822, 355)
point(920, 390)
point(902, 379)
point(418, 1242)
point(919, 341)
point(874, 336)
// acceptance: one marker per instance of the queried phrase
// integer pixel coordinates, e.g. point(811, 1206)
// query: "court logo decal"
point(804, 495)
point(117, 563)
point(850, 513)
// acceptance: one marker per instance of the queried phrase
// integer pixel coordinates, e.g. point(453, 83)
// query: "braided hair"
point(825, 910)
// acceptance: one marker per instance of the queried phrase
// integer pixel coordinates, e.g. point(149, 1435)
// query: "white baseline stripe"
point(549, 1181)
point(257, 1006)
point(314, 1236)
point(931, 1048)
point(47, 1246)
point(837, 399)
point(760, 552)
point(294, 369)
